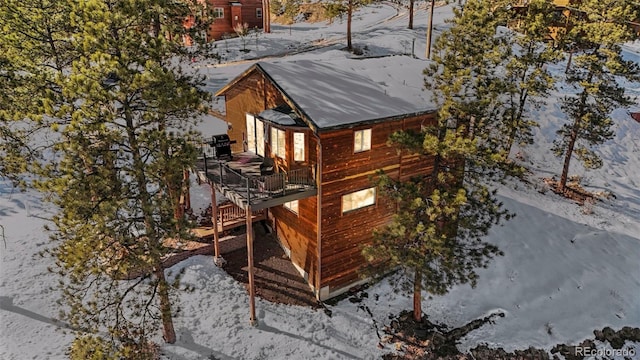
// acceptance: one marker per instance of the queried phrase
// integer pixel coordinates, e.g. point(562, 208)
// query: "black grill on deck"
point(221, 145)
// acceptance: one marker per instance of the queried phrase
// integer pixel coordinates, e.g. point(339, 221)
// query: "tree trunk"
point(567, 156)
point(145, 200)
point(168, 332)
point(411, 14)
point(349, 13)
point(266, 16)
point(430, 28)
point(566, 70)
point(187, 191)
point(574, 135)
point(417, 296)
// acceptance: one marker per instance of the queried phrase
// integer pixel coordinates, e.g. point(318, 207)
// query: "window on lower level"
point(259, 13)
point(292, 206)
point(218, 13)
point(358, 199)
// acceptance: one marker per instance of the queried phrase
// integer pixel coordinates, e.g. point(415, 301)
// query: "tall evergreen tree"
point(113, 89)
point(289, 9)
point(596, 32)
point(31, 56)
point(437, 233)
point(527, 82)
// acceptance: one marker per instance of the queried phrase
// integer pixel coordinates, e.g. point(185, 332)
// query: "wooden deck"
point(240, 181)
point(230, 216)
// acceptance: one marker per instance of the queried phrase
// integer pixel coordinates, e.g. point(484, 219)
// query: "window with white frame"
point(298, 146)
point(259, 13)
point(358, 199)
point(218, 13)
point(278, 142)
point(292, 206)
point(362, 140)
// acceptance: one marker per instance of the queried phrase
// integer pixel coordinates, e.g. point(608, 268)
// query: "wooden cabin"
point(227, 15)
point(325, 132)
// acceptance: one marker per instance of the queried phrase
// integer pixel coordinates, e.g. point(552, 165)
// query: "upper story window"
point(218, 13)
point(358, 199)
point(259, 13)
point(362, 140)
point(292, 206)
point(298, 146)
point(278, 142)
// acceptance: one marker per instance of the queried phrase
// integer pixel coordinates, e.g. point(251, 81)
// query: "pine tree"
point(114, 91)
point(596, 32)
point(30, 59)
point(527, 82)
point(289, 9)
point(442, 218)
point(341, 7)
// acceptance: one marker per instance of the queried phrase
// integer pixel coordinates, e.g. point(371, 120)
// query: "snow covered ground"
point(564, 274)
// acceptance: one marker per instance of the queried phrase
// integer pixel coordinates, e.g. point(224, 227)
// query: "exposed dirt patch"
point(425, 340)
point(574, 191)
point(276, 279)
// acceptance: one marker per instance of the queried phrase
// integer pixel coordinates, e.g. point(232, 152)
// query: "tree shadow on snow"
point(186, 341)
point(6, 304)
point(265, 327)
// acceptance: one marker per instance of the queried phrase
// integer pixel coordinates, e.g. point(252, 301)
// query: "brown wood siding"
point(222, 26)
point(253, 94)
point(343, 172)
point(299, 234)
point(249, 17)
point(414, 165)
point(249, 95)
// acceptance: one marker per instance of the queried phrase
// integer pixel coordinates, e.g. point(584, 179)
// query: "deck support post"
point(217, 259)
point(252, 293)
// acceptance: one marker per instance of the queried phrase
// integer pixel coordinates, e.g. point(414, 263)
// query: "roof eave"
point(236, 80)
point(376, 121)
point(289, 100)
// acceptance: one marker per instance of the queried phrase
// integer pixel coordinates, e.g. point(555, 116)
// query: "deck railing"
point(231, 213)
point(260, 187)
point(302, 176)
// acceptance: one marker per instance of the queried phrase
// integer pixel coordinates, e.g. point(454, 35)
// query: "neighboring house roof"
point(330, 97)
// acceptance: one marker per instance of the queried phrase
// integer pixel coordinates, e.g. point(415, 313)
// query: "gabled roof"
point(330, 97)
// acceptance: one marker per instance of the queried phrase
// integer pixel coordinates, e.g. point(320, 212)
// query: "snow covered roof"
point(337, 95)
point(282, 115)
point(277, 117)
